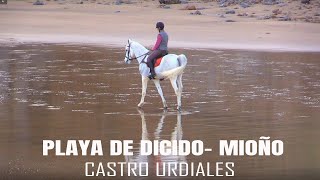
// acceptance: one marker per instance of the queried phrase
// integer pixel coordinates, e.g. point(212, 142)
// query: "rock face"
point(271, 2)
point(171, 2)
point(221, 15)
point(117, 2)
point(183, 1)
point(38, 2)
point(247, 3)
point(196, 13)
point(189, 7)
point(166, 7)
point(264, 17)
point(230, 12)
point(276, 11)
point(243, 14)
point(305, 1)
point(284, 18)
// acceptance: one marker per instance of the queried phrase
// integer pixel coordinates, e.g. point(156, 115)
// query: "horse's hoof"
point(140, 110)
point(165, 109)
point(179, 108)
point(140, 105)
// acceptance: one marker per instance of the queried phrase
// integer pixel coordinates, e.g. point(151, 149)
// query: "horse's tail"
point(182, 59)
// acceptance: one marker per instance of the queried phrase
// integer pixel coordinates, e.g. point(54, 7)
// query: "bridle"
point(130, 59)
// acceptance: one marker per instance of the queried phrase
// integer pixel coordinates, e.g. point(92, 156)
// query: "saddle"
point(157, 62)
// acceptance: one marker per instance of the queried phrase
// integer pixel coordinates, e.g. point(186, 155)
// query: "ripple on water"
point(39, 104)
point(200, 102)
point(21, 100)
point(53, 107)
point(88, 75)
point(111, 113)
point(83, 111)
point(164, 113)
point(18, 52)
point(73, 50)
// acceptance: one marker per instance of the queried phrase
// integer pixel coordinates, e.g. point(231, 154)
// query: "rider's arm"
point(156, 46)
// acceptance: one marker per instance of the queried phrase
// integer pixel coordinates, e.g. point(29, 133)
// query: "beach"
point(111, 24)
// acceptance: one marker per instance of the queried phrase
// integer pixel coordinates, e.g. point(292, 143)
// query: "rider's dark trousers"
point(155, 54)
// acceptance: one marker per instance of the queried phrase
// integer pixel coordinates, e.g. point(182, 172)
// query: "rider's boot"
point(151, 66)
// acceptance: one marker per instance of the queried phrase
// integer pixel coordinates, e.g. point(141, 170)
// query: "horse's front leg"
point(157, 84)
point(144, 90)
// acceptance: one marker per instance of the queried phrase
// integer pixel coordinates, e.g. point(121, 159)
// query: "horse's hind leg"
point(157, 84)
point(144, 90)
point(174, 84)
point(179, 81)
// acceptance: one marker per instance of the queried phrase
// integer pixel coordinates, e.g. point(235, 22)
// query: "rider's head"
point(160, 26)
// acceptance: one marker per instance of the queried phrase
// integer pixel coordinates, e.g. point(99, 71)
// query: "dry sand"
point(109, 24)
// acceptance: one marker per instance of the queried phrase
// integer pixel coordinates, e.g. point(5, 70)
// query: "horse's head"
point(129, 52)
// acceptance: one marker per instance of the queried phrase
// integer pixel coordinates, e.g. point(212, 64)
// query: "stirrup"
point(152, 76)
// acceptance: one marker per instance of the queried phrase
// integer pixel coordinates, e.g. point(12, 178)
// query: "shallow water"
point(84, 92)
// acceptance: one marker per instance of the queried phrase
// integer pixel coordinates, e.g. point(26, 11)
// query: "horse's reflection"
point(158, 162)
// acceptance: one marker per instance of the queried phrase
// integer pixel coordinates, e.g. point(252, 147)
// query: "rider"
point(160, 48)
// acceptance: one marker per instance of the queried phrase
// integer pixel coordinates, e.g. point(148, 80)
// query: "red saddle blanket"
point(158, 61)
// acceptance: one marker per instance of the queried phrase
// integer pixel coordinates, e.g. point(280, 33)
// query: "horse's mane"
point(141, 47)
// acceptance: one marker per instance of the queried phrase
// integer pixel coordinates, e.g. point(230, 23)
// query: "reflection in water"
point(161, 163)
point(84, 92)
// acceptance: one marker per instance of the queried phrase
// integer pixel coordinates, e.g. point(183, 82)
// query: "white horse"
point(171, 68)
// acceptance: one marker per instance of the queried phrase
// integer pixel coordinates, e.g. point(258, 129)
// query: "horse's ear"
point(129, 40)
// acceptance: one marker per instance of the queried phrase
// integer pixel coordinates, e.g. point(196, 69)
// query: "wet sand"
point(86, 92)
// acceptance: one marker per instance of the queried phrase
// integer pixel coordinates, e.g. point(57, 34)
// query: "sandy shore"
point(110, 24)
